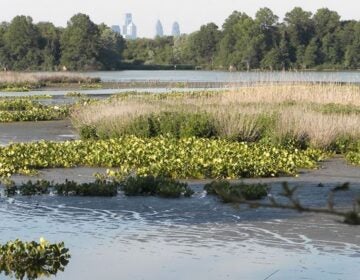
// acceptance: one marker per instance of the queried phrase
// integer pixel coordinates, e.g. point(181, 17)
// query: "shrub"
point(155, 186)
point(37, 188)
point(236, 192)
point(97, 188)
point(88, 132)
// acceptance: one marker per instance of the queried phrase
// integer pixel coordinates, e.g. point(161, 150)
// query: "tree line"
point(301, 41)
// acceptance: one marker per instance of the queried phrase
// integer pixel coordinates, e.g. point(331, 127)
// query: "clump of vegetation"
point(88, 132)
point(131, 186)
point(32, 260)
point(27, 109)
point(175, 124)
point(161, 157)
point(353, 155)
point(155, 186)
point(22, 81)
point(68, 188)
point(97, 188)
point(227, 191)
point(303, 115)
point(35, 188)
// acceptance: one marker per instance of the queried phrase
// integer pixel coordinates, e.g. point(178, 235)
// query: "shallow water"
point(197, 238)
point(226, 77)
point(34, 131)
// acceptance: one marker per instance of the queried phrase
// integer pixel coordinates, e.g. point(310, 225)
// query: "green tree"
point(111, 48)
point(21, 43)
point(311, 55)
point(272, 59)
point(327, 28)
point(203, 44)
point(300, 29)
point(3, 53)
point(81, 44)
point(243, 43)
point(268, 22)
point(227, 45)
point(49, 45)
point(352, 55)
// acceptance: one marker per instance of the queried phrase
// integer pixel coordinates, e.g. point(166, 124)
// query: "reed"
point(319, 113)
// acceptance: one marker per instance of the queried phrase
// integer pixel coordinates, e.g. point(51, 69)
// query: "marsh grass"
point(310, 114)
point(22, 81)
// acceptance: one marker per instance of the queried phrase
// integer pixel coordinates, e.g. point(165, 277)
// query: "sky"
point(190, 14)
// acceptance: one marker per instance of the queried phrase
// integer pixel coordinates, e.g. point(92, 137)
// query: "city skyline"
point(191, 15)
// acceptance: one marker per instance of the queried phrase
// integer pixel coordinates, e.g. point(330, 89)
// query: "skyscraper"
point(116, 29)
point(175, 29)
point(129, 28)
point(159, 29)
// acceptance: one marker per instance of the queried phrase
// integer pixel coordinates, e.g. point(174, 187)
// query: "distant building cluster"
point(159, 30)
point(129, 29)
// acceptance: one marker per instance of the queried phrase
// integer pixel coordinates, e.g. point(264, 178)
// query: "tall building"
point(175, 29)
point(129, 28)
point(159, 29)
point(116, 29)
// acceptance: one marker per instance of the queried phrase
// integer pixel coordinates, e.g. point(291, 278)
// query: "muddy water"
point(197, 238)
point(35, 131)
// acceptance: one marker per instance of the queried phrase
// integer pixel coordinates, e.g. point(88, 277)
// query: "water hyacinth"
point(160, 157)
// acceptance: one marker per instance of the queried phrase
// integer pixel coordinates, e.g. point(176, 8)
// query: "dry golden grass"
point(43, 77)
point(289, 109)
point(299, 93)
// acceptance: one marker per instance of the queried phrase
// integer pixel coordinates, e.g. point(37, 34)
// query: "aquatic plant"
point(155, 186)
point(26, 109)
point(68, 188)
point(227, 191)
point(32, 260)
point(353, 157)
point(97, 188)
point(161, 157)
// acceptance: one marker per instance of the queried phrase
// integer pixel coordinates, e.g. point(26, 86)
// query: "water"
point(35, 131)
point(226, 77)
point(197, 238)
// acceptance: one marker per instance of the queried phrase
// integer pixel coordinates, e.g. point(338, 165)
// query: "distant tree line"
point(302, 41)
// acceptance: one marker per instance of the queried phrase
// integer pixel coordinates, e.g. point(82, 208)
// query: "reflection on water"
point(32, 260)
point(197, 238)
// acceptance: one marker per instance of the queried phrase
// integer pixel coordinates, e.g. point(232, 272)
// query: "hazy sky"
point(191, 14)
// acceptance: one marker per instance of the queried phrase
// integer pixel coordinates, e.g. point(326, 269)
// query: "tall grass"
point(23, 78)
point(318, 114)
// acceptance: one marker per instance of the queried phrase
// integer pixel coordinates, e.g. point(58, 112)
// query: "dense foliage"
point(353, 155)
point(130, 186)
point(155, 186)
point(68, 188)
point(302, 41)
point(176, 124)
point(161, 156)
point(32, 260)
point(226, 191)
point(25, 109)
